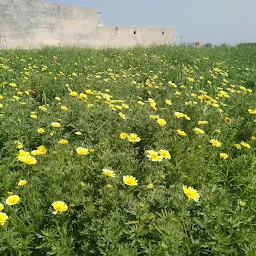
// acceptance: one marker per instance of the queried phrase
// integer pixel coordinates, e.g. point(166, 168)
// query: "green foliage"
point(105, 216)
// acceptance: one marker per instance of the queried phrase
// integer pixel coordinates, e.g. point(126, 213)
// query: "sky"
point(212, 21)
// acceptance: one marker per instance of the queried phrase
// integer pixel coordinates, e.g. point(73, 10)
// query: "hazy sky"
point(214, 21)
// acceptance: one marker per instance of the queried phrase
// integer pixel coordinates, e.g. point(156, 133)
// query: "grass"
point(96, 95)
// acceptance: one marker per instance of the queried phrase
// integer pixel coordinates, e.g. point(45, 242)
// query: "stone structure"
point(32, 23)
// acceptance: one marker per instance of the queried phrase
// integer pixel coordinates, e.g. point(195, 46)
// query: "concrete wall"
point(32, 23)
point(131, 36)
point(28, 23)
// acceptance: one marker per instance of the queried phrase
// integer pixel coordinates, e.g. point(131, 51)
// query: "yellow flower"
point(154, 116)
point(252, 111)
point(227, 120)
point(161, 122)
point(238, 146)
point(130, 180)
point(123, 116)
point(191, 193)
point(72, 93)
point(26, 158)
point(55, 124)
point(43, 108)
point(15, 97)
point(218, 131)
point(91, 150)
point(3, 218)
point(89, 92)
point(58, 98)
point(215, 143)
point(198, 131)
point(63, 141)
point(33, 116)
point(59, 206)
point(36, 153)
point(64, 108)
point(191, 79)
point(150, 186)
point(1, 207)
point(165, 154)
point(242, 204)
point(172, 84)
point(82, 151)
point(223, 155)
point(152, 102)
point(78, 133)
point(29, 160)
point(188, 103)
point(187, 117)
point(150, 217)
point(154, 156)
point(12, 84)
point(18, 145)
point(202, 122)
point(12, 200)
point(244, 144)
point(22, 154)
point(108, 173)
point(22, 183)
point(83, 96)
point(132, 137)
point(41, 150)
point(179, 114)
point(181, 133)
point(168, 102)
point(123, 135)
point(40, 130)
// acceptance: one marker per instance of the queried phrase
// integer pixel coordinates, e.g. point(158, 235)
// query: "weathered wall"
point(131, 36)
point(32, 23)
point(26, 23)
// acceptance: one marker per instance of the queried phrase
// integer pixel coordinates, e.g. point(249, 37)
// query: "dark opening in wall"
point(162, 33)
point(134, 32)
point(116, 28)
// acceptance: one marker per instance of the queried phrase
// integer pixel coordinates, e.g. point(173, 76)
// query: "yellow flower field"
point(144, 151)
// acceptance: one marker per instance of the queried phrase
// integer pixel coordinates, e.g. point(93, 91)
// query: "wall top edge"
point(138, 27)
point(21, 2)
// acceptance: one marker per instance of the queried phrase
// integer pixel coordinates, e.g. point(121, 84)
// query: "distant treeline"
point(247, 44)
